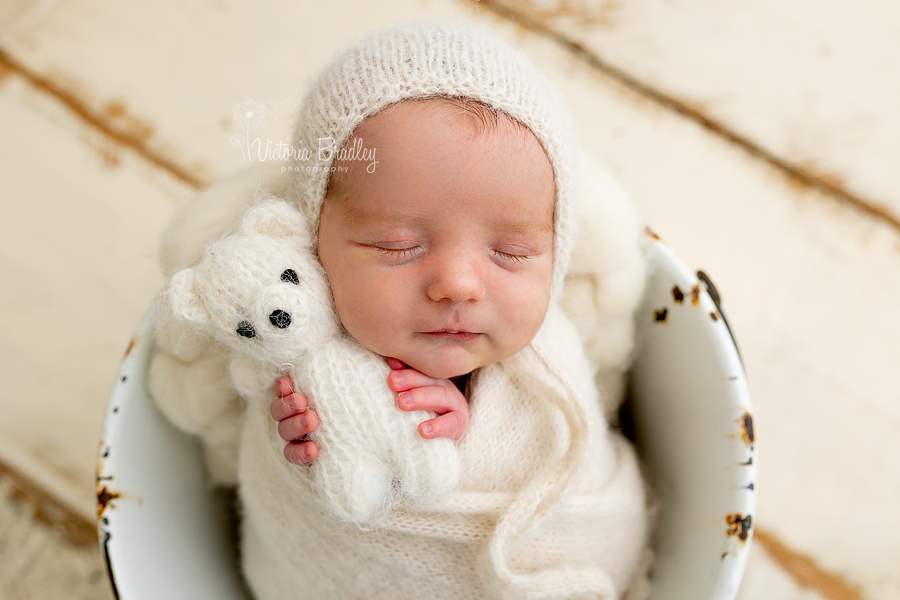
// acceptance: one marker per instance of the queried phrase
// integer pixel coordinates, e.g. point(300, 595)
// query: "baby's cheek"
point(372, 319)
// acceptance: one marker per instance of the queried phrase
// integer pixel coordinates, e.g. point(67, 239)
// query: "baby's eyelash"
point(519, 258)
point(398, 252)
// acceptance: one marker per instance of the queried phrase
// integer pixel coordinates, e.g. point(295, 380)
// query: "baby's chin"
point(442, 368)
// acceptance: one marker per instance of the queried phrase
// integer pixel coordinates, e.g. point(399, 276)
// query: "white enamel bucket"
point(166, 535)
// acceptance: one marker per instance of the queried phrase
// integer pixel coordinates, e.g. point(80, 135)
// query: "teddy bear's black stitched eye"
point(290, 276)
point(245, 329)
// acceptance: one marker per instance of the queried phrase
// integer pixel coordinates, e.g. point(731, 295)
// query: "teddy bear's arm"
point(196, 396)
point(252, 379)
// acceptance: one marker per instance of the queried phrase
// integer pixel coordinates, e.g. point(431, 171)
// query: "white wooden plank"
point(765, 580)
point(78, 261)
point(176, 70)
point(813, 82)
point(807, 283)
point(37, 563)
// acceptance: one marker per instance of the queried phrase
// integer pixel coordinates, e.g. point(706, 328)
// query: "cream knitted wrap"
point(551, 502)
point(427, 60)
point(546, 488)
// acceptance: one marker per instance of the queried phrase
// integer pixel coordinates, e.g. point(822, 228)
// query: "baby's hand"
point(417, 391)
point(294, 422)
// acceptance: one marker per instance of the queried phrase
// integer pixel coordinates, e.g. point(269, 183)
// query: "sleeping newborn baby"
point(448, 258)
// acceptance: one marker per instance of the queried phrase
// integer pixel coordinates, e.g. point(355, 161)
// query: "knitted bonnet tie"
point(459, 60)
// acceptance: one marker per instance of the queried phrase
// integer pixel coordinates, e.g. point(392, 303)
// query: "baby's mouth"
point(462, 336)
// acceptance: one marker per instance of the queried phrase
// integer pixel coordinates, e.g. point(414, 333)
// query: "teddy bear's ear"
point(184, 299)
point(274, 217)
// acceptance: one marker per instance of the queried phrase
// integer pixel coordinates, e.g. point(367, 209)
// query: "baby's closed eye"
point(398, 251)
point(517, 257)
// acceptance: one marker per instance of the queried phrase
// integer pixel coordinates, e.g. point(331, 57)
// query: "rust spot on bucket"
point(130, 347)
point(660, 315)
point(746, 421)
point(104, 499)
point(714, 315)
point(678, 295)
point(651, 234)
point(695, 294)
point(739, 526)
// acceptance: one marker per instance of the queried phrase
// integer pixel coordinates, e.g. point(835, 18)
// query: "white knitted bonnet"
point(427, 60)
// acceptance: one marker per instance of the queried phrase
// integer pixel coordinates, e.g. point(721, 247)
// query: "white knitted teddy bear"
point(261, 293)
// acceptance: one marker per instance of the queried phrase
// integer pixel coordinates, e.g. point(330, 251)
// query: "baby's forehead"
point(462, 113)
point(450, 125)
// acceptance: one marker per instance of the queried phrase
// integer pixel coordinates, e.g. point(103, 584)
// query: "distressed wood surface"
point(114, 114)
point(805, 84)
point(42, 557)
point(78, 260)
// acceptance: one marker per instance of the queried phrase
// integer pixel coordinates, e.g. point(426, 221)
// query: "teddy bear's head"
point(259, 290)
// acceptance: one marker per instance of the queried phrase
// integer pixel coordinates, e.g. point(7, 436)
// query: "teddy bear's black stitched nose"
point(280, 319)
point(245, 329)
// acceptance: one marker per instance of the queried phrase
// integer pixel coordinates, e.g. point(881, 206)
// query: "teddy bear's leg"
point(351, 488)
point(351, 477)
point(425, 469)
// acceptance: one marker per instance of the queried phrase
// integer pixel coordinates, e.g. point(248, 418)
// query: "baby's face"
point(441, 257)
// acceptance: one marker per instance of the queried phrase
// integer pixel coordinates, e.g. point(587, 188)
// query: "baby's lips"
point(462, 336)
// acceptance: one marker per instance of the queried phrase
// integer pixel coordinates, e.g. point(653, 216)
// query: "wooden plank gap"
point(805, 570)
point(806, 176)
point(133, 138)
point(48, 510)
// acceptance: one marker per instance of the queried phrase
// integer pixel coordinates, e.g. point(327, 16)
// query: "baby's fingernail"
point(399, 378)
point(426, 428)
point(293, 403)
point(405, 398)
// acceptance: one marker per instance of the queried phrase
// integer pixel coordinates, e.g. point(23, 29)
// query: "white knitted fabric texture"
point(550, 502)
point(457, 545)
point(427, 60)
point(261, 294)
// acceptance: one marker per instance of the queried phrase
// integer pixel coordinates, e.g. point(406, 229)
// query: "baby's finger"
point(396, 363)
point(407, 379)
point(449, 425)
point(436, 398)
point(291, 405)
point(299, 453)
point(284, 387)
point(294, 428)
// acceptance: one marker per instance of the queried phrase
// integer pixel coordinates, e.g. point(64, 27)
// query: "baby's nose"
point(457, 281)
point(280, 319)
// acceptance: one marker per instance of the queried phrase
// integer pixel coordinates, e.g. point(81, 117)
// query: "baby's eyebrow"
point(519, 226)
point(526, 227)
point(375, 219)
